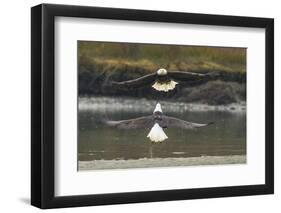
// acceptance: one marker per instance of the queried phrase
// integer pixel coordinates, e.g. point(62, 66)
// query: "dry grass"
point(123, 56)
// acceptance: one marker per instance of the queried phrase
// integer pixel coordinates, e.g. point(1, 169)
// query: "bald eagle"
point(162, 80)
point(156, 123)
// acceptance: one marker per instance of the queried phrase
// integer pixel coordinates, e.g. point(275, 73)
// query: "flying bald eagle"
point(156, 123)
point(162, 80)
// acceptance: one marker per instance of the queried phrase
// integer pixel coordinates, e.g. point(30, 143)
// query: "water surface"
point(98, 142)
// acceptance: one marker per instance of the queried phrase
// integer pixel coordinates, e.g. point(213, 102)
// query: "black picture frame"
point(43, 102)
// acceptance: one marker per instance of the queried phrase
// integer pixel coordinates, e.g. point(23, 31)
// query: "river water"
point(98, 142)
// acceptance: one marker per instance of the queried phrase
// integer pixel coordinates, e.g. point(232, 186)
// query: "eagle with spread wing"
point(162, 80)
point(156, 123)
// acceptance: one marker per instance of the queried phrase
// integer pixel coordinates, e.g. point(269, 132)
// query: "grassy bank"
point(99, 63)
point(152, 56)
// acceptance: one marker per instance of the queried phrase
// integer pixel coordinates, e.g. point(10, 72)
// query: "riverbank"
point(100, 63)
point(161, 162)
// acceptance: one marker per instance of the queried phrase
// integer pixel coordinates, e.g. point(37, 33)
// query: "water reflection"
point(96, 141)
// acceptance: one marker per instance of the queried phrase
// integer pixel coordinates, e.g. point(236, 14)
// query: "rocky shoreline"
point(161, 162)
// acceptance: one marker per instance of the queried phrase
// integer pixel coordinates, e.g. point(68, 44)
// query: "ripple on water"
point(178, 153)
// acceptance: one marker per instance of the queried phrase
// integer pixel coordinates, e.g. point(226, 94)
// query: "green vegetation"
point(100, 62)
point(153, 56)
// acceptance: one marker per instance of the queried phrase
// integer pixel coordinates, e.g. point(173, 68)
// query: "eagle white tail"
point(157, 134)
point(165, 86)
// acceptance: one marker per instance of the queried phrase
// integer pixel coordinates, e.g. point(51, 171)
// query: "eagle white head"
point(164, 86)
point(157, 133)
point(157, 108)
point(162, 71)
